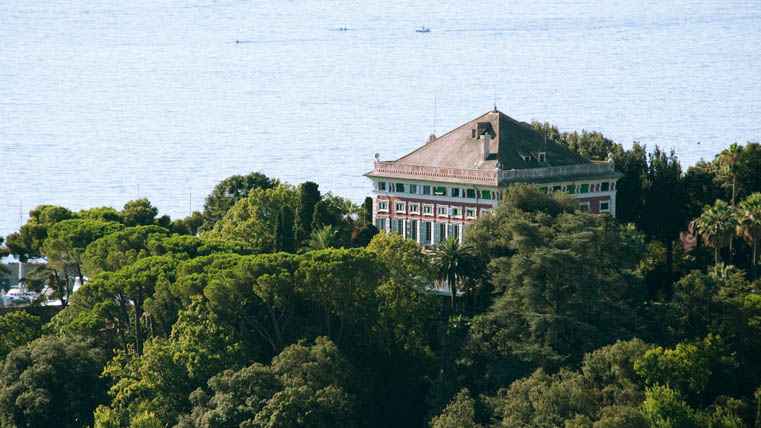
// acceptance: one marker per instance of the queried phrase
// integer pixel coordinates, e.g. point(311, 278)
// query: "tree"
point(189, 225)
point(101, 214)
point(630, 188)
point(341, 283)
point(308, 197)
point(139, 281)
point(285, 240)
point(322, 238)
point(728, 161)
point(139, 212)
point(458, 413)
point(51, 381)
point(119, 249)
point(453, 262)
point(98, 311)
point(17, 329)
point(304, 386)
point(716, 224)
point(27, 242)
point(161, 380)
point(664, 208)
point(568, 283)
point(228, 192)
point(702, 187)
point(262, 293)
point(66, 243)
point(399, 349)
point(252, 219)
point(366, 214)
point(664, 408)
point(749, 225)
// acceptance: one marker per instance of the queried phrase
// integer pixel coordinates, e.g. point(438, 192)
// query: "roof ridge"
point(447, 133)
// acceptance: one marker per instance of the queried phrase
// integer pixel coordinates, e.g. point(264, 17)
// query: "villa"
point(435, 191)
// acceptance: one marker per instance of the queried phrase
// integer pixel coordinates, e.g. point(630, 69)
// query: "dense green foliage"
point(290, 309)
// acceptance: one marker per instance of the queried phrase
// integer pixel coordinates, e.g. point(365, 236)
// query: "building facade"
point(437, 190)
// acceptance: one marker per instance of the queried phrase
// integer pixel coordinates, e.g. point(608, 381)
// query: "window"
point(442, 231)
point(414, 208)
point(542, 156)
point(472, 133)
point(470, 212)
point(605, 207)
point(455, 192)
point(605, 186)
point(440, 190)
point(456, 231)
point(413, 188)
point(570, 188)
point(486, 194)
point(399, 226)
point(543, 189)
point(457, 212)
point(428, 230)
point(382, 186)
point(485, 211)
point(426, 190)
point(427, 209)
point(556, 188)
point(413, 230)
point(584, 188)
point(380, 223)
point(383, 206)
point(400, 187)
point(442, 210)
point(583, 206)
point(399, 207)
point(470, 193)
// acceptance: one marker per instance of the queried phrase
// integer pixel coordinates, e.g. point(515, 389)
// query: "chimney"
point(485, 142)
point(431, 138)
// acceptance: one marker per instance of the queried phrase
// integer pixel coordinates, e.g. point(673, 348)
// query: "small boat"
point(423, 30)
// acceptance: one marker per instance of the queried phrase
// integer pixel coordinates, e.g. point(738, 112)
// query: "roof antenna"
point(434, 112)
point(495, 102)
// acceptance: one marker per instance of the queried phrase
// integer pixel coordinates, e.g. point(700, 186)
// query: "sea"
point(104, 101)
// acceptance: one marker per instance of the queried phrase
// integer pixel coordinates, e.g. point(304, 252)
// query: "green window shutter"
point(439, 190)
point(486, 194)
point(570, 188)
point(605, 186)
point(543, 189)
point(584, 188)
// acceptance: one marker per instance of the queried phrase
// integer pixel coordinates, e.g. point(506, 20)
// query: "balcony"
point(495, 177)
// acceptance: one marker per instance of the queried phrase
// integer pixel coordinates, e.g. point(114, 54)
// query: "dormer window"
point(526, 158)
point(542, 157)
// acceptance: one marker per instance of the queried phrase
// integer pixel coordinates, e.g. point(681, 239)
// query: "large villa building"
point(438, 189)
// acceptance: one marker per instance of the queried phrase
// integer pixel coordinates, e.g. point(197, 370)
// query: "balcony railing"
point(498, 177)
point(556, 172)
point(486, 177)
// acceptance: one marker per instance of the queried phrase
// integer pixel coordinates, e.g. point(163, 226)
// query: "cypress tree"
point(284, 233)
point(309, 196)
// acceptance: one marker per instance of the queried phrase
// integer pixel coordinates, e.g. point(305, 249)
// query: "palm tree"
point(715, 225)
point(729, 161)
point(749, 224)
point(323, 238)
point(453, 262)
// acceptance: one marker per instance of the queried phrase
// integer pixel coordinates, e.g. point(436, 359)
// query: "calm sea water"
point(103, 101)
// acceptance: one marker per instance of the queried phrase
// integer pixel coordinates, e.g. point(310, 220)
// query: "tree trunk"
point(138, 314)
point(731, 238)
point(670, 259)
point(453, 290)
